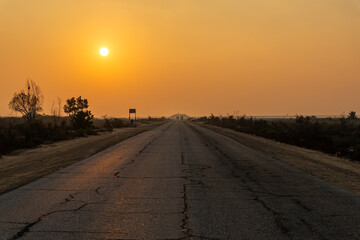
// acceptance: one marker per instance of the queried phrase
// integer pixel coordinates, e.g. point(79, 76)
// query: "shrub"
point(80, 117)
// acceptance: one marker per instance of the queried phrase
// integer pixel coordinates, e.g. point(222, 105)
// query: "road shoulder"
point(27, 165)
point(339, 171)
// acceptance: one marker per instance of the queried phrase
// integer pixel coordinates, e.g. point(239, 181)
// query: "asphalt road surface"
point(179, 181)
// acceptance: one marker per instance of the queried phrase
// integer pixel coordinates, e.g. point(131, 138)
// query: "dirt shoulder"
point(24, 166)
point(339, 171)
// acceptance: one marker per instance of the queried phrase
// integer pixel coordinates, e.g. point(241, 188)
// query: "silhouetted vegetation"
point(33, 129)
point(28, 102)
point(337, 136)
point(80, 117)
point(15, 133)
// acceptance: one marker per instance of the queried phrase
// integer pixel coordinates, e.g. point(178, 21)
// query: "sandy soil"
point(339, 171)
point(27, 165)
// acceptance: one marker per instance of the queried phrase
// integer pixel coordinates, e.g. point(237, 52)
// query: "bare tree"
point(28, 102)
point(56, 108)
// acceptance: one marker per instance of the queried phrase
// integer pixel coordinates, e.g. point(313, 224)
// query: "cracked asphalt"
point(179, 181)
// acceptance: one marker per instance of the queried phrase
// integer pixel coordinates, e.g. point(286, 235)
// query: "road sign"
point(132, 110)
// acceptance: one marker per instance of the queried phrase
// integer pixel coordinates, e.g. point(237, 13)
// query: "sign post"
point(132, 110)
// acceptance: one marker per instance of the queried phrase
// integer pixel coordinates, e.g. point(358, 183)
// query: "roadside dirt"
point(339, 171)
point(27, 165)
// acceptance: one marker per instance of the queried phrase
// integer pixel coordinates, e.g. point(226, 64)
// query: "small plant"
point(352, 115)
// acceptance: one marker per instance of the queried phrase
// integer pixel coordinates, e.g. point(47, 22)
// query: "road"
point(179, 181)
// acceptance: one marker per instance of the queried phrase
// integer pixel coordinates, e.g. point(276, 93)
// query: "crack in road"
point(205, 170)
point(133, 159)
point(97, 190)
point(298, 202)
point(27, 228)
point(195, 173)
point(116, 174)
point(68, 199)
point(185, 220)
point(185, 228)
point(29, 225)
point(279, 218)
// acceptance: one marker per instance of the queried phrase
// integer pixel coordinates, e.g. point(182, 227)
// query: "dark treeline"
point(16, 134)
point(337, 136)
point(33, 128)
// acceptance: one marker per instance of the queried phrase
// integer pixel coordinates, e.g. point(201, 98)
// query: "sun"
point(104, 51)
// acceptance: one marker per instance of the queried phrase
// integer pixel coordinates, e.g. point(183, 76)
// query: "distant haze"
point(254, 57)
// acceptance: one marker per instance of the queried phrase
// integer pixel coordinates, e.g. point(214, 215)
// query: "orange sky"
point(258, 57)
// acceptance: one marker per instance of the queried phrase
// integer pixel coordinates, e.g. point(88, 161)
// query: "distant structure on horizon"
point(181, 116)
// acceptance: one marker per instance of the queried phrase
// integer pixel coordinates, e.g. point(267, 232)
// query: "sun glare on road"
point(104, 51)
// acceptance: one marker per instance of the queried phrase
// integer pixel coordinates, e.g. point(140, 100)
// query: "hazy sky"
point(258, 57)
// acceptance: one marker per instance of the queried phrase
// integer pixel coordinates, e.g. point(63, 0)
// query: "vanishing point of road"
point(179, 181)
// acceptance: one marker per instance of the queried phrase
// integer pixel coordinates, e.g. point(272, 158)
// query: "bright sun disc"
point(104, 51)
